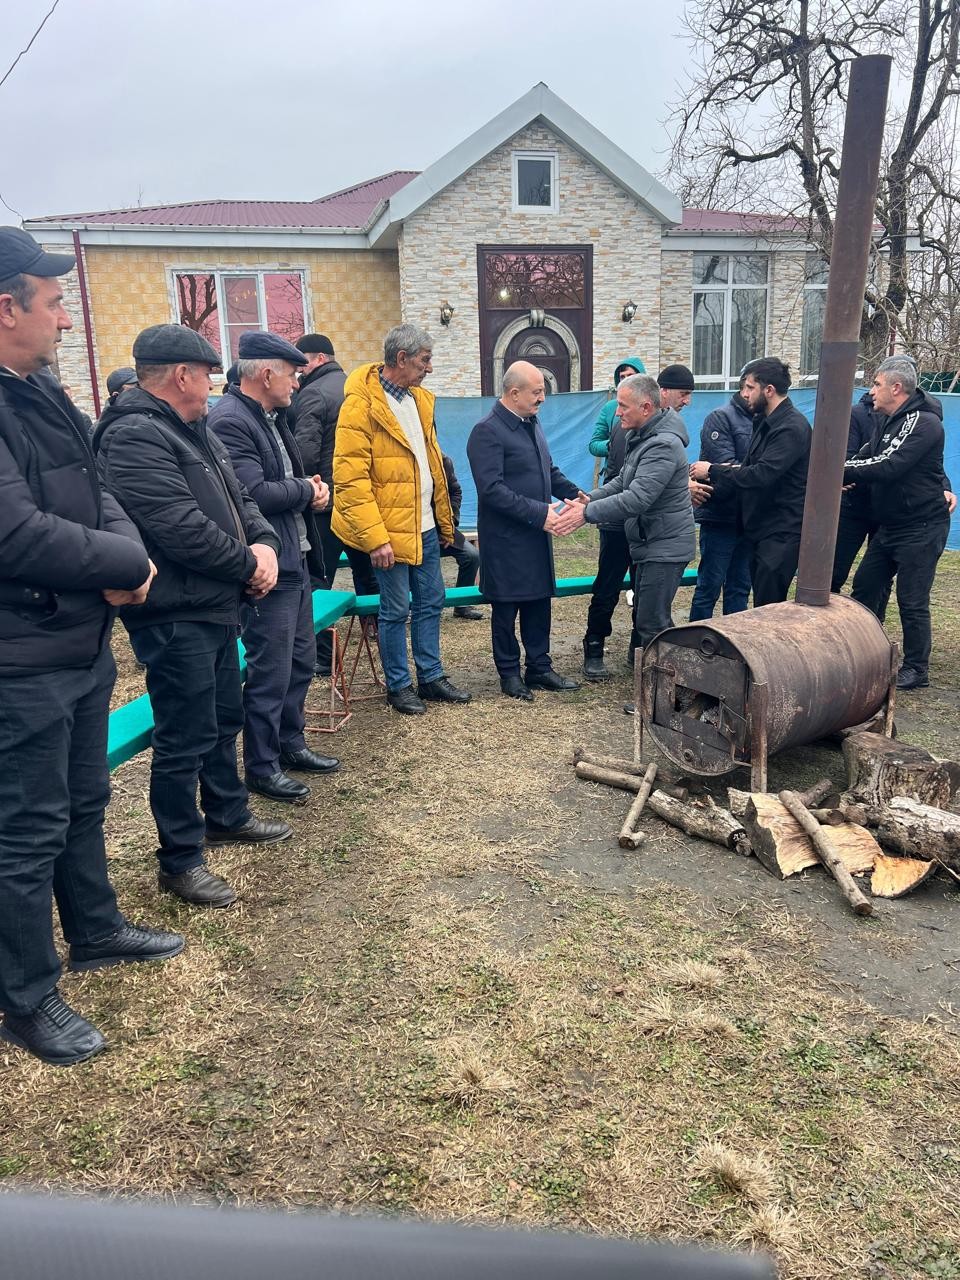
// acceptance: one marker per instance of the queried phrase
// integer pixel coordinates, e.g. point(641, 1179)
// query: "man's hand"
point(700, 471)
point(951, 499)
point(321, 494)
point(264, 578)
point(699, 493)
point(138, 596)
point(550, 524)
point(571, 518)
point(382, 557)
point(583, 497)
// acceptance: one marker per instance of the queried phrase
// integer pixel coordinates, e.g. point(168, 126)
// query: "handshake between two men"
point(566, 516)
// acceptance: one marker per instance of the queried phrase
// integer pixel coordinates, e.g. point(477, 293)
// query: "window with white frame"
point(815, 272)
point(729, 316)
point(221, 305)
point(535, 182)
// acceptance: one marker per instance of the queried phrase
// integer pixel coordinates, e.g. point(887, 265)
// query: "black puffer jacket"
point(176, 482)
point(902, 465)
point(62, 541)
point(316, 407)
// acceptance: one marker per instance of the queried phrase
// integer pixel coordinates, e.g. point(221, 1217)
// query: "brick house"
point(535, 237)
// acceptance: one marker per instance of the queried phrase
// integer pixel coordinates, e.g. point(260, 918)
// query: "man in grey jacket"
point(651, 499)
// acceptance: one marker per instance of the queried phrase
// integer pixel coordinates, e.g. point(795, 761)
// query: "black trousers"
point(654, 588)
point(910, 556)
point(612, 565)
point(281, 653)
point(193, 679)
point(773, 567)
point(468, 562)
point(534, 632)
point(364, 579)
point(54, 787)
point(852, 533)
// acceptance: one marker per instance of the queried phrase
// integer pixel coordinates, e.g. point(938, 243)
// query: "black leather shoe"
point(128, 943)
point(278, 786)
point(406, 702)
point(514, 687)
point(551, 680)
point(442, 691)
point(908, 678)
point(253, 831)
point(469, 612)
point(629, 708)
point(198, 886)
point(307, 761)
point(53, 1032)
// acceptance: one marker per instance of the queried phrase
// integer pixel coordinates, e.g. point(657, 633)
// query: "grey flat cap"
point(121, 378)
point(174, 344)
point(268, 346)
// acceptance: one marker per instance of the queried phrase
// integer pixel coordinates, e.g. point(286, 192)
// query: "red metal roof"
point(350, 207)
point(756, 223)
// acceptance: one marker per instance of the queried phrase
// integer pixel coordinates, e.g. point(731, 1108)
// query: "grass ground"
point(452, 995)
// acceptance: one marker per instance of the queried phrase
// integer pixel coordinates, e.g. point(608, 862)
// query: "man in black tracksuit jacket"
point(211, 545)
point(67, 554)
point(902, 466)
point(771, 482)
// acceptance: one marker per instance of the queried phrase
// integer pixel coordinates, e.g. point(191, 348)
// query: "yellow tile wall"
point(353, 296)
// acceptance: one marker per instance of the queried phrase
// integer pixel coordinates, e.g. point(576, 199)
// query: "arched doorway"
point(547, 343)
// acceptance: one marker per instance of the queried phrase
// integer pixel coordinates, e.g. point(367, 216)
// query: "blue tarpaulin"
point(568, 422)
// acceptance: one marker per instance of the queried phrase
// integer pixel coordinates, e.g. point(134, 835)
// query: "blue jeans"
point(424, 583)
point(724, 564)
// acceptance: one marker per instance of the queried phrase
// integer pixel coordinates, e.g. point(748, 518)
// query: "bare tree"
point(761, 117)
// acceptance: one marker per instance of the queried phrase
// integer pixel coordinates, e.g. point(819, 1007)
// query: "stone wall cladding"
point(785, 312)
point(73, 364)
point(352, 296)
point(438, 258)
point(676, 308)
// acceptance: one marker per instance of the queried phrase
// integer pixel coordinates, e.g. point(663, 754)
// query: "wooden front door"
point(536, 303)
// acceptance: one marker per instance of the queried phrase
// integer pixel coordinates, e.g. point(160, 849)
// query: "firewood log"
point(880, 768)
point(893, 877)
point(698, 820)
point(630, 837)
point(783, 847)
point(822, 839)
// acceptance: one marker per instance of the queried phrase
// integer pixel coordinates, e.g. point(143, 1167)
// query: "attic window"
point(535, 184)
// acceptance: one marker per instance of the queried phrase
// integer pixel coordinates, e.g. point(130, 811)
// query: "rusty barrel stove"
point(717, 694)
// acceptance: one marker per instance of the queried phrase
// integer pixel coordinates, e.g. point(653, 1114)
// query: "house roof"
point(350, 208)
point(719, 220)
point(539, 103)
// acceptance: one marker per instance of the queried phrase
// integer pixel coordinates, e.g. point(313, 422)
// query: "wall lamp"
point(629, 311)
point(446, 313)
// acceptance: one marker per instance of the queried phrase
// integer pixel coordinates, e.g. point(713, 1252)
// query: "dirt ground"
point(451, 994)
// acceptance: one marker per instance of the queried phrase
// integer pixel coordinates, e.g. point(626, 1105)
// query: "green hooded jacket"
point(600, 440)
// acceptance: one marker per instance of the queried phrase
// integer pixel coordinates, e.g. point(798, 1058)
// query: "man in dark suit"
point(515, 478)
point(277, 630)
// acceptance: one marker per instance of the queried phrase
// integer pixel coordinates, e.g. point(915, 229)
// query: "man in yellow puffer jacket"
point(391, 500)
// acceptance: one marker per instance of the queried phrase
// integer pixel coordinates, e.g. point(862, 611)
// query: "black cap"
point(676, 377)
point(233, 375)
point(174, 344)
point(21, 255)
point(268, 346)
point(315, 343)
point(120, 378)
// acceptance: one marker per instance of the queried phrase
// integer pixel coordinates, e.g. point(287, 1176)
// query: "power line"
point(26, 48)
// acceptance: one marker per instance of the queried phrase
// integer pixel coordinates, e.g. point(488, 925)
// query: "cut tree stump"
point(893, 877)
point(879, 768)
point(780, 843)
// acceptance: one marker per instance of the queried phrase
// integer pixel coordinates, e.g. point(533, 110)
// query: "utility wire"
point(26, 48)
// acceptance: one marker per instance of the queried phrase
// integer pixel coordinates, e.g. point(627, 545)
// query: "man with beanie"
point(771, 482)
point(610, 442)
point(676, 387)
point(173, 477)
point(277, 630)
point(68, 555)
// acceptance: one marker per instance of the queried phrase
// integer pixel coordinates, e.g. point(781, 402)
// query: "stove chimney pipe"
point(849, 257)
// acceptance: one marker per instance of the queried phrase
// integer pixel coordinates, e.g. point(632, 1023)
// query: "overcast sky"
point(121, 102)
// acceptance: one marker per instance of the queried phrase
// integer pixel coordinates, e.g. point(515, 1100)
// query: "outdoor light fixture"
point(629, 311)
point(446, 313)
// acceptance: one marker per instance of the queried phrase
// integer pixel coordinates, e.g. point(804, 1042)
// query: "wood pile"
point(898, 820)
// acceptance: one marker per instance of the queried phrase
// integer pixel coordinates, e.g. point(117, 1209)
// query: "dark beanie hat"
point(314, 343)
point(676, 377)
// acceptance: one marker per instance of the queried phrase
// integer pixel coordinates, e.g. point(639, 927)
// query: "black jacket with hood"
point(724, 437)
point(176, 482)
point(62, 540)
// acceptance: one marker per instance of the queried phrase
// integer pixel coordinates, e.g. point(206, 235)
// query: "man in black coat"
point(902, 468)
point(211, 545)
point(312, 417)
point(515, 478)
point(67, 555)
point(771, 482)
point(278, 630)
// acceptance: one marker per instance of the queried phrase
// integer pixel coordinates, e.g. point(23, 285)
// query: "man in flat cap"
point(278, 630)
point(67, 555)
point(119, 380)
point(212, 547)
